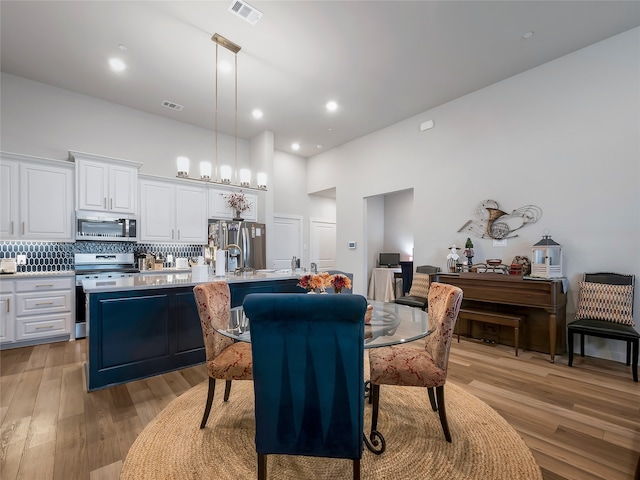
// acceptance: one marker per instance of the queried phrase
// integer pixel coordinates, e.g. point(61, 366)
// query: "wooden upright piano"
point(542, 302)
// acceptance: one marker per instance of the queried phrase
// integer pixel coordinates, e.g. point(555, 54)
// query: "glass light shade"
point(205, 170)
point(262, 180)
point(245, 177)
point(183, 166)
point(225, 174)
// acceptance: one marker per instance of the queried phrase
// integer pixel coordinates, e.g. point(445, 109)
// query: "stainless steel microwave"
point(106, 227)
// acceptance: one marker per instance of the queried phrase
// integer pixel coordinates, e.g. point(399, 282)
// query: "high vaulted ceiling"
point(382, 61)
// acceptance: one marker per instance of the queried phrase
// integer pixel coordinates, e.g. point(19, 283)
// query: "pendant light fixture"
point(223, 173)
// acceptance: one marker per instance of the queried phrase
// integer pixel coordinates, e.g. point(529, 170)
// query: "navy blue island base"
point(137, 333)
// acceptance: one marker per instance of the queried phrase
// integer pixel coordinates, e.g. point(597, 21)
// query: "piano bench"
point(495, 318)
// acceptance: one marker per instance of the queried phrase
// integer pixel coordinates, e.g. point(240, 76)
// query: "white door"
point(322, 241)
point(287, 240)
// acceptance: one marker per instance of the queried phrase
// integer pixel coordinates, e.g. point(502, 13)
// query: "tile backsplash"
point(57, 256)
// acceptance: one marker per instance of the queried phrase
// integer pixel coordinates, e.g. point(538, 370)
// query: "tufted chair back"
point(308, 375)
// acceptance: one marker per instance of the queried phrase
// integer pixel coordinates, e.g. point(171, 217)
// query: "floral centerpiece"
point(238, 202)
point(321, 281)
point(311, 282)
point(339, 281)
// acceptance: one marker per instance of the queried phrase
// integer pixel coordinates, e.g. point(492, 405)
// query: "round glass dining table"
point(391, 324)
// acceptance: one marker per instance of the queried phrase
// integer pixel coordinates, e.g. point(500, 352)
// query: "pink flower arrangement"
point(339, 281)
point(323, 280)
point(311, 282)
point(238, 201)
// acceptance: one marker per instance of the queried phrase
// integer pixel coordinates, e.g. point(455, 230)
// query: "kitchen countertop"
point(168, 280)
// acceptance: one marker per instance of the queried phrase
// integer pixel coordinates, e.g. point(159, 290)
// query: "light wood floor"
point(581, 422)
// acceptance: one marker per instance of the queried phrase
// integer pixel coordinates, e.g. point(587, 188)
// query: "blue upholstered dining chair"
point(308, 375)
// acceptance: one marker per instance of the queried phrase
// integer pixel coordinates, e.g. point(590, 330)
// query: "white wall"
point(563, 136)
point(398, 223)
point(45, 121)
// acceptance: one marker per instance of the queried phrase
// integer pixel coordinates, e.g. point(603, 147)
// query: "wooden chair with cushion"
point(404, 365)
point(225, 360)
point(605, 310)
point(308, 375)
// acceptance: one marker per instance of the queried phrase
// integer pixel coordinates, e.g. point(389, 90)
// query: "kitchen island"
point(146, 325)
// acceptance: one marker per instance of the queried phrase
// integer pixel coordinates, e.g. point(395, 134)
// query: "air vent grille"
point(245, 11)
point(172, 105)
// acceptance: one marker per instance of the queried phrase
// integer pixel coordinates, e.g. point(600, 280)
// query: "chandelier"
point(222, 174)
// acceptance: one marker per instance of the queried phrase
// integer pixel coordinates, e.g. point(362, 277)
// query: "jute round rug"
point(484, 446)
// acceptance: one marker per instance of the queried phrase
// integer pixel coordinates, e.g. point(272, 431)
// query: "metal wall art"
point(491, 222)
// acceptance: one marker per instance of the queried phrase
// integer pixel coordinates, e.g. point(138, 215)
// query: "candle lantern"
point(546, 258)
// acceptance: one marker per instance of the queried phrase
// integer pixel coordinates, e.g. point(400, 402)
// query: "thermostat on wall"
point(352, 245)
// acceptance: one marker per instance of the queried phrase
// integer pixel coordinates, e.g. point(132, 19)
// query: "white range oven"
point(98, 266)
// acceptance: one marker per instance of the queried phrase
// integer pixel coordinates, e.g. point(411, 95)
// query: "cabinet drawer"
point(43, 326)
point(6, 286)
point(34, 303)
point(44, 284)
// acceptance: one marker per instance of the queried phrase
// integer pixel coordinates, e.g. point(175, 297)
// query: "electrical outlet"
point(21, 259)
point(500, 242)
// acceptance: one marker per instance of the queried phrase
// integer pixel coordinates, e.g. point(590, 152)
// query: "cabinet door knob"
point(8, 305)
point(105, 202)
point(11, 227)
point(22, 228)
point(111, 204)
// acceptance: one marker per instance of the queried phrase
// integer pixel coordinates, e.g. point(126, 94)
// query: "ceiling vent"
point(172, 105)
point(246, 11)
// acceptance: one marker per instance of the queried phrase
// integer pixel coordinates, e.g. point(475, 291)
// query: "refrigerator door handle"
point(246, 247)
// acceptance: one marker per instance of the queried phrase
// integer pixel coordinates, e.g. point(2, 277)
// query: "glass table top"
point(391, 324)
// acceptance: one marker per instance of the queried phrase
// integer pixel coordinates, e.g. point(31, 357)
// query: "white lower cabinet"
point(37, 309)
point(7, 312)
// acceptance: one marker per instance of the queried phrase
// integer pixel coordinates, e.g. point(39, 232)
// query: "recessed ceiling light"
point(318, 146)
point(257, 113)
point(527, 35)
point(295, 146)
point(117, 65)
point(122, 47)
point(332, 106)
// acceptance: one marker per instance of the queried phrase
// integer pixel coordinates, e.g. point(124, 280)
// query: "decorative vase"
point(236, 215)
point(337, 289)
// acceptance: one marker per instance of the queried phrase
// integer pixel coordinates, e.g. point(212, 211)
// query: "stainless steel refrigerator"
point(249, 236)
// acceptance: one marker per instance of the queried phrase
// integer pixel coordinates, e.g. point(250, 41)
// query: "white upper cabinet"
point(218, 207)
point(36, 199)
point(106, 184)
point(9, 198)
point(170, 212)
